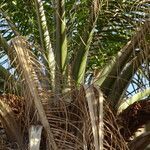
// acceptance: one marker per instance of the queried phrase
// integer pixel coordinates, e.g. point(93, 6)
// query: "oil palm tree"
point(50, 47)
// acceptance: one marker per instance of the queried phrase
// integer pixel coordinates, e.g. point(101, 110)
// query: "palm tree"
point(50, 47)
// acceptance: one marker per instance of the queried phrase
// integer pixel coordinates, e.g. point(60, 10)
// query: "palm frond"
point(45, 40)
point(80, 61)
point(115, 67)
point(90, 96)
point(96, 114)
point(137, 97)
point(128, 72)
point(125, 64)
point(24, 59)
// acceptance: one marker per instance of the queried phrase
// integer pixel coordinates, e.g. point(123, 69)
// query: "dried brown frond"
point(71, 126)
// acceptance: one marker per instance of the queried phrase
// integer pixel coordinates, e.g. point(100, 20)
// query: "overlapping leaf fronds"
point(74, 127)
point(81, 118)
point(26, 67)
point(72, 123)
point(115, 77)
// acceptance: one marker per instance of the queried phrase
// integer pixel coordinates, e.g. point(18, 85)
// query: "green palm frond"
point(116, 77)
point(61, 51)
point(137, 97)
point(79, 66)
point(45, 39)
